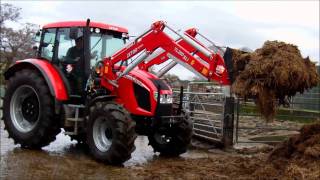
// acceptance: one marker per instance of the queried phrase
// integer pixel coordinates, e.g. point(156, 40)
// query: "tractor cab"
point(75, 47)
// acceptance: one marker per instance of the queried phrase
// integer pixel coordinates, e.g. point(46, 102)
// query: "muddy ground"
point(253, 127)
point(64, 159)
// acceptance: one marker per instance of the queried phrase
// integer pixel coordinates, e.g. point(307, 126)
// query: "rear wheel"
point(171, 140)
point(29, 110)
point(111, 133)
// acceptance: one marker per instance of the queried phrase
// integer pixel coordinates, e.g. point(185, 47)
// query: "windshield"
point(104, 44)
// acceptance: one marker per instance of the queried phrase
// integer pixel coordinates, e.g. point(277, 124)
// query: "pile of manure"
point(304, 145)
point(296, 158)
point(272, 73)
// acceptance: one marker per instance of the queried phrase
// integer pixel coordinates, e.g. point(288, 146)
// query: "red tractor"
point(82, 81)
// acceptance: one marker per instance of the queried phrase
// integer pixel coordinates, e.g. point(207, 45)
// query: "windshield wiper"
point(96, 43)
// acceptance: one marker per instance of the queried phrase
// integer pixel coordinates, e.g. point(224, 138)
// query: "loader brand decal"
point(131, 44)
point(133, 51)
point(181, 54)
point(113, 28)
point(135, 80)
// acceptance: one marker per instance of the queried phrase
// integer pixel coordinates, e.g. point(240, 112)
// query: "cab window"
point(47, 45)
point(66, 41)
point(103, 44)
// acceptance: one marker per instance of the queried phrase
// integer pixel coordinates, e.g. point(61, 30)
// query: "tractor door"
point(69, 57)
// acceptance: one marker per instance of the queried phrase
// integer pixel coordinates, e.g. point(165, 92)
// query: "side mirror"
point(37, 37)
point(125, 36)
point(36, 48)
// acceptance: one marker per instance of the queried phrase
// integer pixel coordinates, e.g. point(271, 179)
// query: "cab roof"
point(83, 24)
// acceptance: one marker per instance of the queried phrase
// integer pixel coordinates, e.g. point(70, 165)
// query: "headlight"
point(164, 98)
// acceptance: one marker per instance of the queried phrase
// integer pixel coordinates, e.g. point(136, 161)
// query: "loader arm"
point(156, 38)
point(163, 57)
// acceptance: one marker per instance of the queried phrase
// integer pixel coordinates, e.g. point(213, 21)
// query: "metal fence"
point(309, 100)
point(219, 118)
point(1, 100)
point(251, 127)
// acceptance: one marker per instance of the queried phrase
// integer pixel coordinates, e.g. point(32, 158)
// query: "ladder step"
point(75, 119)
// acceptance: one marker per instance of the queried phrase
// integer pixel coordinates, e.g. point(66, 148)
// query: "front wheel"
point(111, 133)
point(171, 140)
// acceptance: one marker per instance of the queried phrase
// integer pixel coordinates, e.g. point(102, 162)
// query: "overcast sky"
point(233, 24)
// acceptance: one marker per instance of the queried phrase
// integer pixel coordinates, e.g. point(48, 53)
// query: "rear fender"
point(54, 79)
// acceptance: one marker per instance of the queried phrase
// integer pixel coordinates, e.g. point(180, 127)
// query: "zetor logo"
point(181, 53)
point(113, 28)
point(135, 80)
point(133, 51)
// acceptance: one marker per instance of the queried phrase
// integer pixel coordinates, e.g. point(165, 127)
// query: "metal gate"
point(206, 102)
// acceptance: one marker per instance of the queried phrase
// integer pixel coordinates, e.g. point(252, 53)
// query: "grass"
point(295, 115)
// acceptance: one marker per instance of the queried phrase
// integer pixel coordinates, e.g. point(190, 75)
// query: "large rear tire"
point(29, 114)
point(111, 133)
point(171, 141)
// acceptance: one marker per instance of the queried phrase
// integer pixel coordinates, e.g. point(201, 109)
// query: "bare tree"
point(17, 44)
point(8, 13)
point(14, 44)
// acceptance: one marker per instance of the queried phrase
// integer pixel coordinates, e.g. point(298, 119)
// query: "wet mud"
point(64, 159)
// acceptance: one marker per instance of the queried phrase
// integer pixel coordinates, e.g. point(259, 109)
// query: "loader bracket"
point(229, 64)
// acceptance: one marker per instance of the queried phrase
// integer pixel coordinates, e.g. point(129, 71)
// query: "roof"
point(83, 24)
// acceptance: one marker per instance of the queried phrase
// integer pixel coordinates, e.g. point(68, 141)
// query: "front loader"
point(162, 56)
point(99, 97)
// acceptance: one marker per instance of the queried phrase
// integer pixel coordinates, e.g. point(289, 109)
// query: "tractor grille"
point(164, 110)
point(142, 96)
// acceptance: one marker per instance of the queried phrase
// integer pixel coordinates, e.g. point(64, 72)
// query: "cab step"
point(73, 121)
